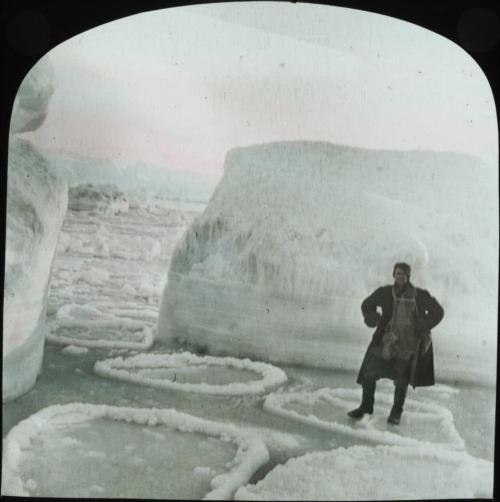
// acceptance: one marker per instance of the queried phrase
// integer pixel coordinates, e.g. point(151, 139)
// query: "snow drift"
point(378, 473)
point(297, 234)
point(36, 204)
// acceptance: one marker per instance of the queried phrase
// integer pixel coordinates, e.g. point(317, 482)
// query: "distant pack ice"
point(298, 233)
point(36, 204)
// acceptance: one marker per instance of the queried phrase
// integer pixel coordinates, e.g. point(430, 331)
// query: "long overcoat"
point(429, 314)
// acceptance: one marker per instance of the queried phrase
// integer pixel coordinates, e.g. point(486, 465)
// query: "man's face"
point(400, 277)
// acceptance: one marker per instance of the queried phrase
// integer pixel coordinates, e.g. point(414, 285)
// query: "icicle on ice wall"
point(36, 204)
point(297, 234)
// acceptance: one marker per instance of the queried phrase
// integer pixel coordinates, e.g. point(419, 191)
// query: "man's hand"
point(372, 319)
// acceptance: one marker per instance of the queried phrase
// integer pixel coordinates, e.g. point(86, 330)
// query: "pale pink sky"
point(179, 87)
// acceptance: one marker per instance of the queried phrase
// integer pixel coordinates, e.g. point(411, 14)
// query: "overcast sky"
point(179, 87)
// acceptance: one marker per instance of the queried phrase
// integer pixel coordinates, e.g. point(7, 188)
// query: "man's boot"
point(399, 400)
point(367, 401)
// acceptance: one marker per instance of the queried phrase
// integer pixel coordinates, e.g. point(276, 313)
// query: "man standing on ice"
point(401, 347)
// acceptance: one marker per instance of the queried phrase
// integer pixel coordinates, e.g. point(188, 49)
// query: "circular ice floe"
point(376, 473)
point(77, 449)
point(421, 422)
point(191, 373)
point(102, 334)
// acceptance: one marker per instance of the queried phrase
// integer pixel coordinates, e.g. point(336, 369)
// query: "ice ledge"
point(36, 205)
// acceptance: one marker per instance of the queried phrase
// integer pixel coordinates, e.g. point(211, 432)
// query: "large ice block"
point(36, 204)
point(298, 233)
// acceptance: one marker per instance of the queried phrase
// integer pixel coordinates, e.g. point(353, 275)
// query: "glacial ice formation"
point(36, 204)
point(298, 233)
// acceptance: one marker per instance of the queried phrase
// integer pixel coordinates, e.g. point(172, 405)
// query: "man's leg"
point(399, 401)
point(367, 400)
point(403, 376)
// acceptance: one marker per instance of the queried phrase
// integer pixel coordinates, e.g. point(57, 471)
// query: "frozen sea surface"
point(70, 378)
point(109, 274)
point(119, 280)
point(105, 460)
point(47, 454)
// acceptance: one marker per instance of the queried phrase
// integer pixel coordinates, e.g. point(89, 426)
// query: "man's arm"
point(369, 309)
point(433, 312)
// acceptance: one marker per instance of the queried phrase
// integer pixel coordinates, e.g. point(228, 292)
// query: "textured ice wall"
point(36, 204)
point(32, 99)
point(298, 233)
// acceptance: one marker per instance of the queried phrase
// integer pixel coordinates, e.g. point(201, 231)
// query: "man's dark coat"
point(430, 314)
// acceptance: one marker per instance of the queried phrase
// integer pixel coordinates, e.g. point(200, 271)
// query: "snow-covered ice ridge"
point(251, 452)
point(429, 423)
point(36, 204)
point(152, 369)
point(376, 473)
point(297, 234)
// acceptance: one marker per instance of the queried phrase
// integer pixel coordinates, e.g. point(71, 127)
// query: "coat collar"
point(408, 291)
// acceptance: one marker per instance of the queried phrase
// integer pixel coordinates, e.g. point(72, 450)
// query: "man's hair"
point(404, 267)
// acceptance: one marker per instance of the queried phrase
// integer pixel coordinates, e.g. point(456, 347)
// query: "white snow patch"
point(422, 422)
point(83, 312)
point(74, 350)
point(93, 327)
point(93, 275)
point(203, 471)
point(128, 289)
point(150, 365)
point(376, 473)
point(150, 289)
point(251, 453)
point(274, 440)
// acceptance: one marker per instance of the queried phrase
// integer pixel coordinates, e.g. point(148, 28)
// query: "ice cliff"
point(298, 233)
point(35, 208)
